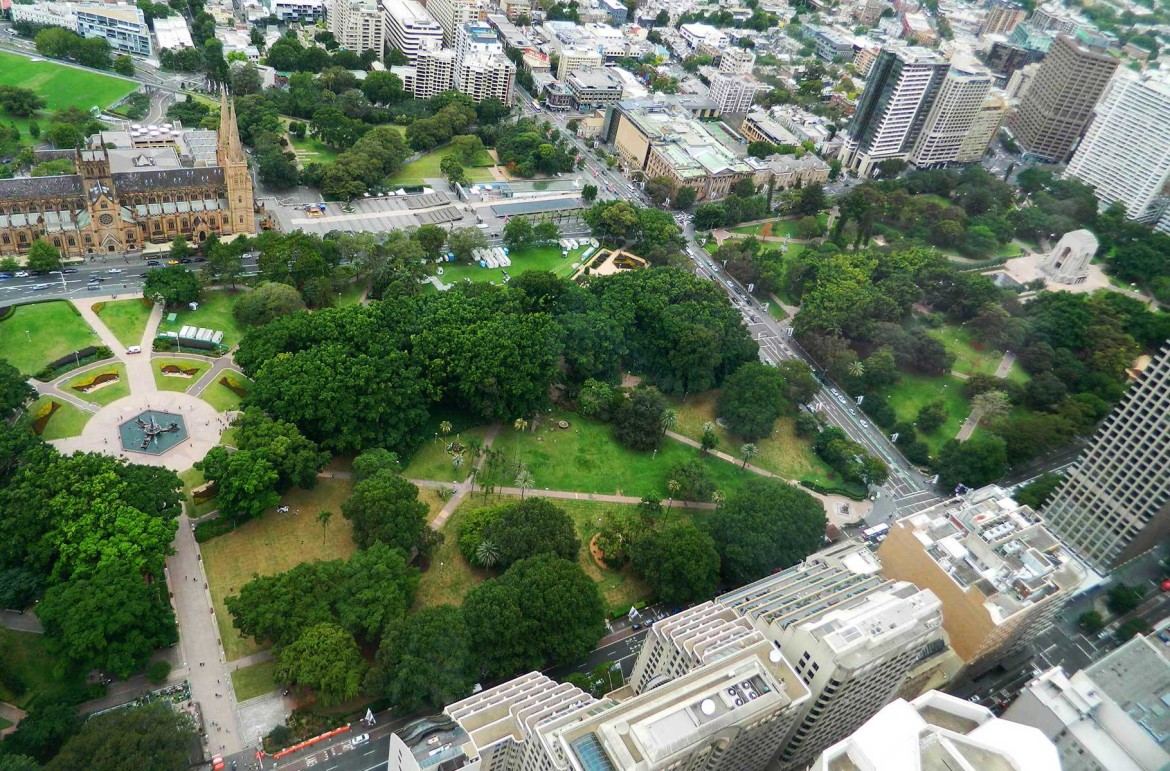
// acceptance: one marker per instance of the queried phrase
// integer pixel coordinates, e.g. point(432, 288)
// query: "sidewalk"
point(138, 374)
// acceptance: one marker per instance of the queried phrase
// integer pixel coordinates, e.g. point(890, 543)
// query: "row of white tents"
point(495, 257)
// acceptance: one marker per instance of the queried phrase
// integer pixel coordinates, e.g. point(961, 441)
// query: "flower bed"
point(96, 382)
point(41, 419)
point(233, 385)
point(173, 370)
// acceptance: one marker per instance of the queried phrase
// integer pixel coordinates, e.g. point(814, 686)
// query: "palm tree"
point(718, 498)
point(488, 488)
point(673, 486)
point(520, 425)
point(667, 420)
point(323, 517)
point(445, 427)
point(747, 452)
point(457, 462)
point(475, 446)
point(487, 554)
point(524, 481)
point(472, 474)
point(710, 440)
point(856, 368)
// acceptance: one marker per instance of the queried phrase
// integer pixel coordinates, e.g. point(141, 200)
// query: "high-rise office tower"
point(1115, 503)
point(410, 29)
point(899, 92)
point(937, 731)
point(984, 127)
point(1002, 17)
point(1000, 575)
point(1125, 154)
point(1057, 107)
point(950, 119)
point(855, 639)
point(357, 25)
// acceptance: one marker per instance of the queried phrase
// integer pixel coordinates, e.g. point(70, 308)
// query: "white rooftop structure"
point(937, 732)
point(172, 32)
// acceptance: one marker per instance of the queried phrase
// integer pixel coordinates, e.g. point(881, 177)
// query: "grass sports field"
point(61, 86)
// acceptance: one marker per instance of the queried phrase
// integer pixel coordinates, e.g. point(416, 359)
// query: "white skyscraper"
point(733, 93)
point(453, 14)
point(953, 114)
point(482, 70)
point(1125, 154)
point(853, 636)
point(937, 731)
point(410, 29)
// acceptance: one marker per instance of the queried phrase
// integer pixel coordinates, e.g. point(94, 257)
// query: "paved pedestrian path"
point(972, 421)
point(21, 622)
point(13, 715)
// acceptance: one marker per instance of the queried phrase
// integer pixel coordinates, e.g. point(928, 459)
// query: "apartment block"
point(482, 71)
point(937, 731)
point(737, 61)
point(453, 14)
point(410, 29)
point(892, 110)
point(958, 103)
point(855, 638)
point(1115, 503)
point(729, 712)
point(1055, 111)
point(984, 127)
point(733, 92)
point(1002, 17)
point(594, 88)
point(432, 74)
point(123, 26)
point(1125, 154)
point(357, 25)
point(1108, 717)
point(833, 45)
point(578, 59)
point(999, 573)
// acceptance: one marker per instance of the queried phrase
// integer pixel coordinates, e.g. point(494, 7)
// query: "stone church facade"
point(120, 200)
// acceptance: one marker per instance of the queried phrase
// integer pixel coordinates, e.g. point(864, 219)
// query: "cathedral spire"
point(230, 148)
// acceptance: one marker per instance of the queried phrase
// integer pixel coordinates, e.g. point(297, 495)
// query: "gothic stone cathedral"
point(150, 187)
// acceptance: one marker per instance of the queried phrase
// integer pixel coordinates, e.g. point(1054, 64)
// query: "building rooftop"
point(436, 742)
point(1137, 677)
point(172, 32)
point(937, 732)
point(987, 542)
point(690, 148)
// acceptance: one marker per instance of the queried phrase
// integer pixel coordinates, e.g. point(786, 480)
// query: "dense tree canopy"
point(325, 658)
point(514, 531)
point(295, 459)
point(425, 662)
point(385, 508)
point(752, 398)
point(174, 286)
point(766, 524)
point(543, 611)
point(152, 737)
point(679, 562)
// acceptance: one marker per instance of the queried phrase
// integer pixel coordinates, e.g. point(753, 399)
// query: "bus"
point(536, 105)
point(876, 533)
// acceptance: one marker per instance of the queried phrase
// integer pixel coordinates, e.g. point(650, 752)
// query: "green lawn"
point(586, 458)
point(448, 576)
point(223, 398)
point(66, 421)
point(179, 382)
point(783, 453)
point(126, 319)
point(309, 150)
point(60, 86)
point(193, 478)
point(215, 312)
point(30, 660)
point(273, 544)
point(104, 395)
point(972, 357)
point(37, 334)
point(427, 167)
point(432, 461)
point(785, 228)
point(352, 294)
point(253, 681)
point(916, 391)
point(547, 258)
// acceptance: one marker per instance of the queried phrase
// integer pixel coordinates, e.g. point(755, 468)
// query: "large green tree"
point(637, 422)
point(152, 737)
point(424, 661)
point(679, 562)
point(325, 658)
point(42, 255)
point(751, 400)
point(543, 611)
point(385, 507)
point(112, 619)
point(295, 459)
point(766, 524)
point(14, 389)
point(245, 481)
point(174, 285)
point(976, 462)
point(267, 301)
point(522, 529)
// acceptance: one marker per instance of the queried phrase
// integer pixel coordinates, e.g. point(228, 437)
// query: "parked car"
point(5, 275)
point(134, 349)
point(153, 263)
point(114, 270)
point(22, 274)
point(359, 740)
point(69, 271)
